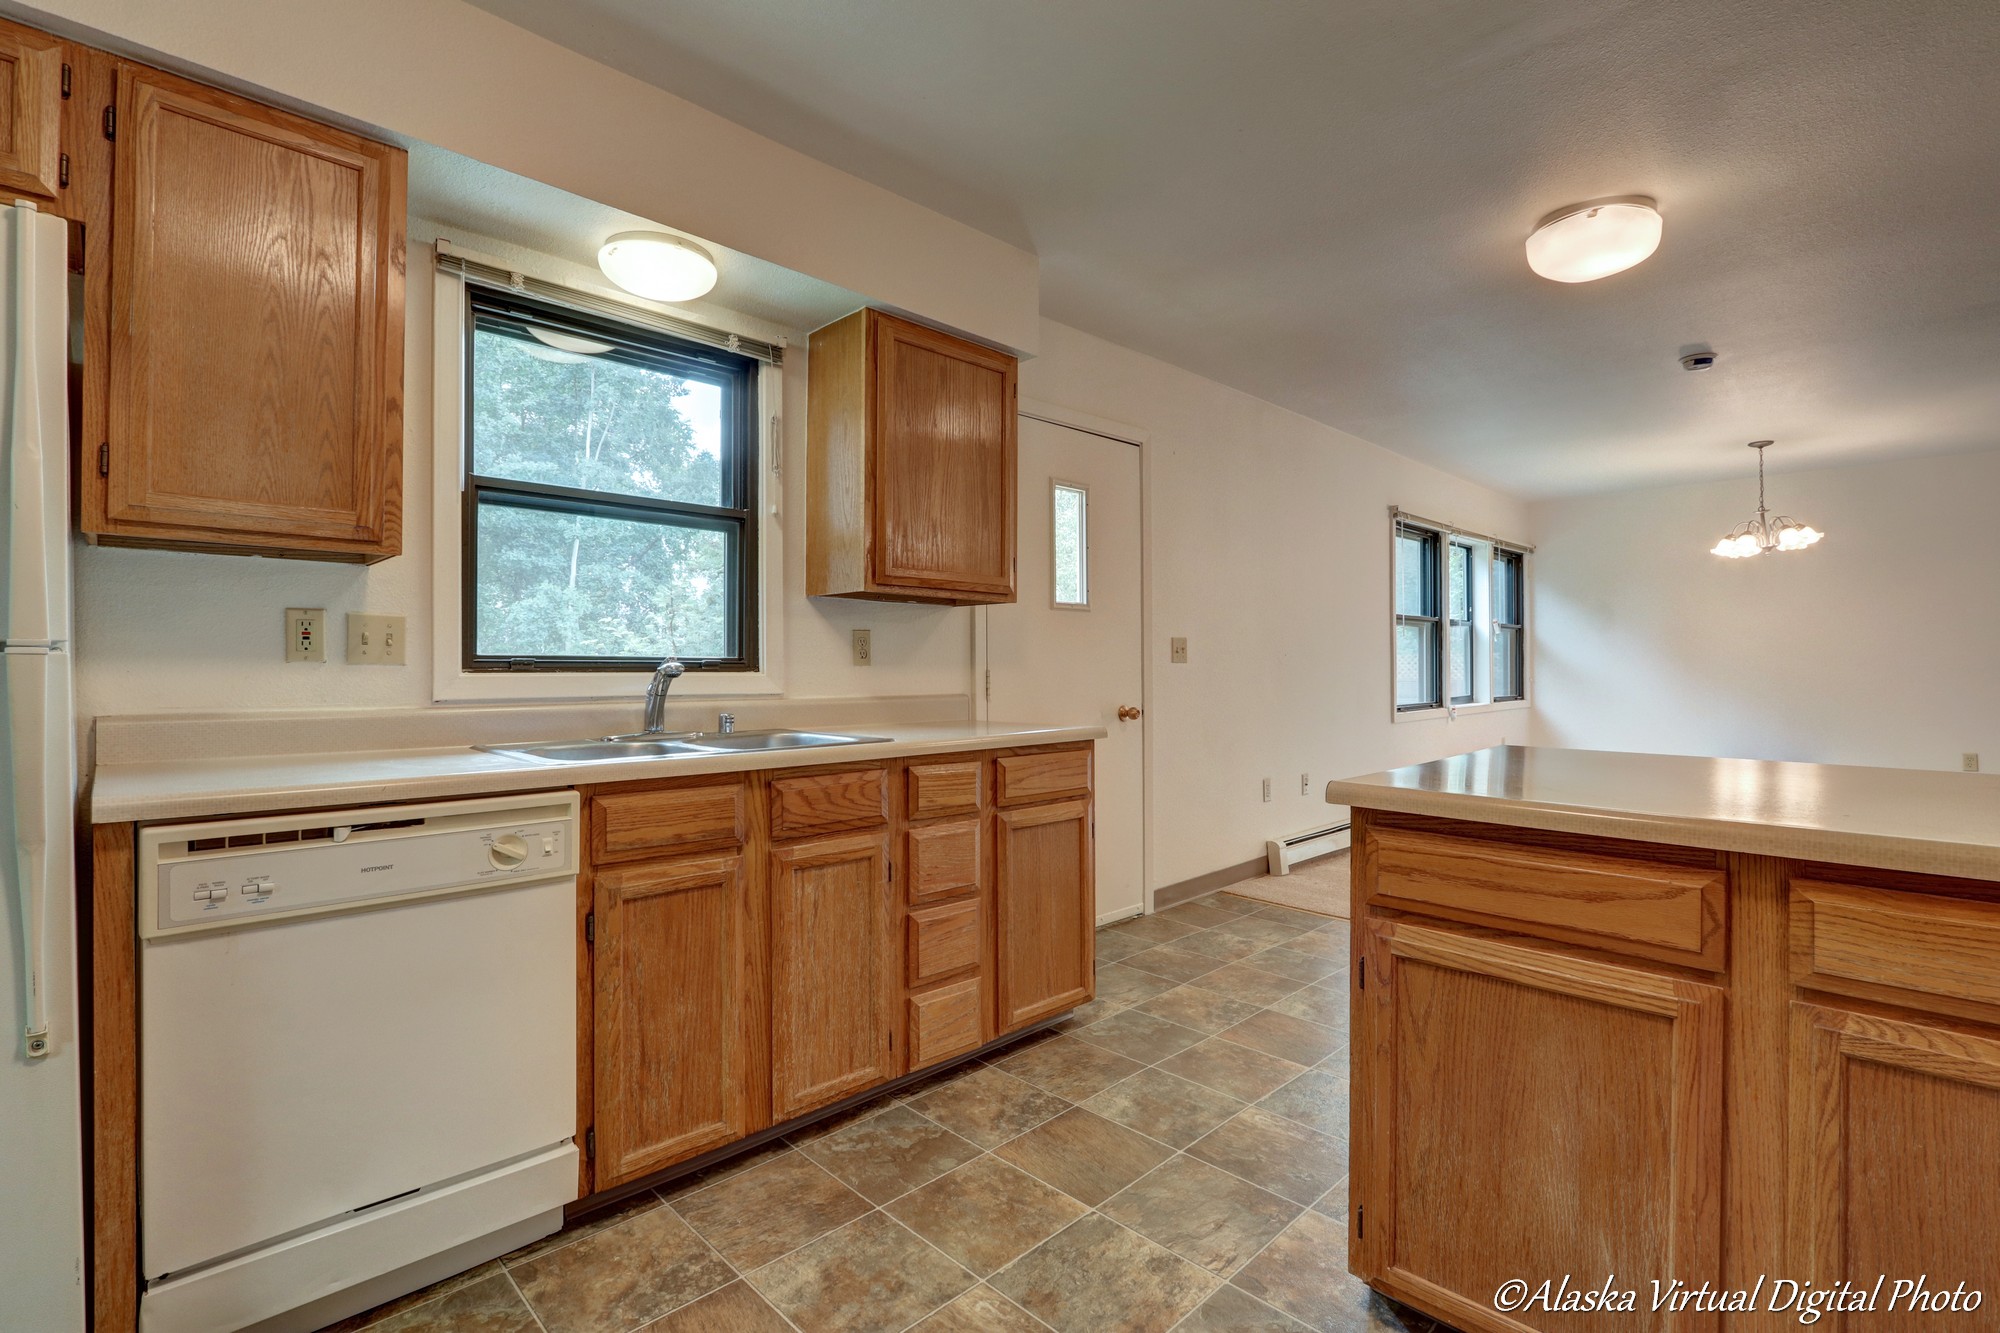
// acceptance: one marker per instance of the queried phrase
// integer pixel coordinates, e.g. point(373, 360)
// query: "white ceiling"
point(1324, 203)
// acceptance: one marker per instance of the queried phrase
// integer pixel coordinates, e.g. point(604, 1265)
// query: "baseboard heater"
point(1283, 853)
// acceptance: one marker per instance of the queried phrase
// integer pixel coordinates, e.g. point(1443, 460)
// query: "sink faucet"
point(725, 722)
point(664, 677)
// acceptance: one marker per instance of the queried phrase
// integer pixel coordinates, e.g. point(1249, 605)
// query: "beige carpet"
point(1317, 886)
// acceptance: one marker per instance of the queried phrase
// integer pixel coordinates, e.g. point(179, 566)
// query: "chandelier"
point(1764, 532)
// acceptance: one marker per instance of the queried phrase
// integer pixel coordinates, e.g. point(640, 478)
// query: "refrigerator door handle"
point(30, 616)
point(26, 727)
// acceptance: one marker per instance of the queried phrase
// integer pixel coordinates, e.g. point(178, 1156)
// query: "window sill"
point(1460, 712)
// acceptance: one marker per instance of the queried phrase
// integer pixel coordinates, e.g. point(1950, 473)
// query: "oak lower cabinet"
point(834, 982)
point(1522, 1112)
point(680, 1063)
point(1894, 1148)
point(1046, 905)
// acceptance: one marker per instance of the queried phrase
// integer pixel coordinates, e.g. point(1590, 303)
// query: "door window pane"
point(1072, 547)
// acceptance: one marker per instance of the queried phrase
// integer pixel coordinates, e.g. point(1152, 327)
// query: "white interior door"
point(1071, 649)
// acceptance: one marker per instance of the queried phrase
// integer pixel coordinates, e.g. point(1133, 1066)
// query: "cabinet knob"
point(1127, 713)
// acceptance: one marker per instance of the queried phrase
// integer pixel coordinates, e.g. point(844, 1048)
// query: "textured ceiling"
point(1324, 203)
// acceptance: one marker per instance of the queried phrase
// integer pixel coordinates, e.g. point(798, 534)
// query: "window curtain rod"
point(1402, 515)
point(452, 260)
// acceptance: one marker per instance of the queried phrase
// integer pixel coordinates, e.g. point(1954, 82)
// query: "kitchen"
point(953, 742)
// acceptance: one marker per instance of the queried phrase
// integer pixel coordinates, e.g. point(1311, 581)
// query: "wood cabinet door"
point(1524, 1114)
point(256, 327)
point(31, 100)
point(942, 475)
point(1045, 911)
point(1895, 1158)
point(680, 1055)
point(836, 975)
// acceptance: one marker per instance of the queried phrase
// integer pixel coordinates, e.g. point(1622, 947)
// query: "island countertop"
point(1917, 820)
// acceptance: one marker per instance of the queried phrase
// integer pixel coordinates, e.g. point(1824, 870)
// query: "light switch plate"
point(1177, 649)
point(374, 640)
point(305, 634)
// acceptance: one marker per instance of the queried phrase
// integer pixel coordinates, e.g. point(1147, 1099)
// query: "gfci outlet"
point(1305, 784)
point(374, 640)
point(864, 648)
point(305, 634)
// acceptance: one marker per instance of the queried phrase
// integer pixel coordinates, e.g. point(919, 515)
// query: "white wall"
point(445, 73)
point(1880, 645)
point(1270, 555)
point(175, 631)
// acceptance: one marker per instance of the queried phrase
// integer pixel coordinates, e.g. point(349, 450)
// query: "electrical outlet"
point(305, 634)
point(1177, 650)
point(374, 640)
point(1970, 761)
point(1267, 789)
point(864, 648)
point(1305, 784)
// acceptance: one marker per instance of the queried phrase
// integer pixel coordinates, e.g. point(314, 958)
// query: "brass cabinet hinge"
point(590, 927)
point(65, 80)
point(590, 1144)
point(62, 170)
point(111, 123)
point(103, 460)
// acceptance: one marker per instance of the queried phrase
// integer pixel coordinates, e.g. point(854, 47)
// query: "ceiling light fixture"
point(1764, 533)
point(657, 266)
point(1584, 242)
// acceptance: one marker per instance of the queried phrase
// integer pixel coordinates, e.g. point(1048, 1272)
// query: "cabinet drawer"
point(944, 789)
point(1648, 908)
point(943, 940)
point(675, 819)
point(1022, 778)
point(829, 802)
point(1898, 946)
point(944, 859)
point(944, 1022)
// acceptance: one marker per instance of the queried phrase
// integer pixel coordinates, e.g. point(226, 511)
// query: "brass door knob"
point(1127, 713)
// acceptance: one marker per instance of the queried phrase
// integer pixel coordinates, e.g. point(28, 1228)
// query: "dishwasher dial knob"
point(508, 851)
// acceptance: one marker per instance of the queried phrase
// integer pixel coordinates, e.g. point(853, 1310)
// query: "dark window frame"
point(1433, 544)
point(1453, 624)
point(632, 344)
point(1517, 586)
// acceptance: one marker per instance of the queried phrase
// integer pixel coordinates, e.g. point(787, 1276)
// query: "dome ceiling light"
point(564, 349)
point(1764, 533)
point(1585, 242)
point(657, 266)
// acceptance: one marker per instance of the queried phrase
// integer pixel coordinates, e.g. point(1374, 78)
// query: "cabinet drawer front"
point(677, 819)
point(944, 859)
point(1892, 945)
point(1629, 905)
point(829, 802)
point(944, 789)
point(943, 940)
point(1022, 778)
point(944, 1022)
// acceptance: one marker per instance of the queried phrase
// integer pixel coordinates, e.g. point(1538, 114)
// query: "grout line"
point(526, 1304)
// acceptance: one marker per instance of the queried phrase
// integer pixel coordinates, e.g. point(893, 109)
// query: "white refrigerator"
point(41, 1117)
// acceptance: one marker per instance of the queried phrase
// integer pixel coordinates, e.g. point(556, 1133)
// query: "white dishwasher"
point(357, 1054)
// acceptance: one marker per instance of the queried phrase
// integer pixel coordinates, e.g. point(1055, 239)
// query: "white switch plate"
point(864, 648)
point(1177, 650)
point(1305, 784)
point(305, 634)
point(1267, 789)
point(375, 640)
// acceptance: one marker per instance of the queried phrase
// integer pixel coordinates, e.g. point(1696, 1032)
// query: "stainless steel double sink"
point(611, 749)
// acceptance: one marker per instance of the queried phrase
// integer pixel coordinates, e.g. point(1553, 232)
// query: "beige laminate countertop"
point(200, 788)
point(1892, 818)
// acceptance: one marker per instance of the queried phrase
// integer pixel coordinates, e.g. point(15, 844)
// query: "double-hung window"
point(610, 506)
point(1460, 620)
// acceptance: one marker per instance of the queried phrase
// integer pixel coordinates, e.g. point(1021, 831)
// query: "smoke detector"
point(1698, 361)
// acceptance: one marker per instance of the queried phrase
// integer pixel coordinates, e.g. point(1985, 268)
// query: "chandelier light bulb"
point(1765, 532)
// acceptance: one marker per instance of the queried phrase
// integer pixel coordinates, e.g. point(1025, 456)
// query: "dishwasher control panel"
point(221, 873)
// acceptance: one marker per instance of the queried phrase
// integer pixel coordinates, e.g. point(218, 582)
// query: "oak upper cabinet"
point(31, 113)
point(1895, 1132)
point(911, 474)
point(680, 1056)
point(1045, 907)
point(256, 330)
point(1602, 1081)
point(835, 975)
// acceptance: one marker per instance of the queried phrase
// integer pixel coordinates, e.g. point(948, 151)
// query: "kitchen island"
point(1705, 1038)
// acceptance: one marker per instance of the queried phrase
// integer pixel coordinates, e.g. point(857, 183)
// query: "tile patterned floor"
point(1174, 1156)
